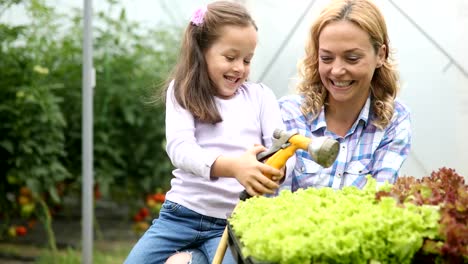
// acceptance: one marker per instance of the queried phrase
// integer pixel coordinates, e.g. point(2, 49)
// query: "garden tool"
point(323, 151)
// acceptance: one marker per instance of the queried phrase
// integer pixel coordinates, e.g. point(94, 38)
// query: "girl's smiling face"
point(347, 61)
point(228, 58)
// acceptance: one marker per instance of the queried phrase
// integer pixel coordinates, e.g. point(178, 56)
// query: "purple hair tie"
point(198, 15)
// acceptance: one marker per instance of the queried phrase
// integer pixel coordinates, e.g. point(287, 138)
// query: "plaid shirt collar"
point(319, 123)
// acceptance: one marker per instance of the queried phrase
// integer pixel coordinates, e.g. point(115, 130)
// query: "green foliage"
point(32, 128)
point(131, 63)
point(109, 255)
point(447, 189)
point(40, 104)
point(329, 226)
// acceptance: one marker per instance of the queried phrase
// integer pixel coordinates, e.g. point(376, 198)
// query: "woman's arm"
point(394, 148)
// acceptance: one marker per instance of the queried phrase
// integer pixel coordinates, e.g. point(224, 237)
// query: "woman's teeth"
point(342, 84)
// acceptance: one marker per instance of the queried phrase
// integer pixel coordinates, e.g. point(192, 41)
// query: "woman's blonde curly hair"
point(384, 83)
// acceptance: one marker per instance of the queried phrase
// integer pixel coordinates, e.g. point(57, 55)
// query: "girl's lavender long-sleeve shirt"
point(249, 118)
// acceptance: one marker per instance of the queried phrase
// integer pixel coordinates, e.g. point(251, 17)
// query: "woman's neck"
point(340, 116)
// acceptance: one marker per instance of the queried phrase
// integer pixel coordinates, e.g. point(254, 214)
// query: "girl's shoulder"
point(255, 87)
point(256, 90)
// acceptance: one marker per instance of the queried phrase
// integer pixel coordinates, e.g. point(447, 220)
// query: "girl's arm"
point(271, 119)
point(186, 154)
point(181, 144)
point(246, 169)
point(270, 116)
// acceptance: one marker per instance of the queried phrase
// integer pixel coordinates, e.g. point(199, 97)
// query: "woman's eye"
point(353, 59)
point(325, 59)
point(247, 61)
point(229, 58)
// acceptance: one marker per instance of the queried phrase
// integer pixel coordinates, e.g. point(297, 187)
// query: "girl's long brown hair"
point(193, 88)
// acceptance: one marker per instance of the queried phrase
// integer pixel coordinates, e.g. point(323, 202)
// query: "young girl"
point(214, 119)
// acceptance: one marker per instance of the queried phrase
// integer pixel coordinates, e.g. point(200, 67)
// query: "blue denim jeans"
point(180, 229)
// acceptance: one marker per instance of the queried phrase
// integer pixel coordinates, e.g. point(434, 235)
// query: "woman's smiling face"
point(347, 61)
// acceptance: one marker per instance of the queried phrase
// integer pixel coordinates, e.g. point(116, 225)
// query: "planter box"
point(236, 249)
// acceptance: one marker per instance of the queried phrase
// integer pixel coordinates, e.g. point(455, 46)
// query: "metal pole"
point(87, 136)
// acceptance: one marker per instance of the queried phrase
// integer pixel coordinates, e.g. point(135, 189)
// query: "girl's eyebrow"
point(232, 50)
point(237, 51)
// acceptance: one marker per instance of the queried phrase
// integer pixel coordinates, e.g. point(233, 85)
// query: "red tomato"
point(144, 212)
point(159, 197)
point(137, 218)
point(25, 191)
point(21, 231)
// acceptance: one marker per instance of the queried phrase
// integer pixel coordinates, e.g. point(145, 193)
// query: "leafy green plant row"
point(40, 106)
point(413, 221)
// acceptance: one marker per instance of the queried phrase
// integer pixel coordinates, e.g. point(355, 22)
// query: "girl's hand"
point(279, 179)
point(251, 173)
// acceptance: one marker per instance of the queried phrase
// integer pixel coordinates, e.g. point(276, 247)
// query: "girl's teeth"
point(231, 79)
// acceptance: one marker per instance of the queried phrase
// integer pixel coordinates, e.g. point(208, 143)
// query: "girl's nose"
point(239, 66)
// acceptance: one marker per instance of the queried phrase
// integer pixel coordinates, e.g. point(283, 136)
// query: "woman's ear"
point(381, 54)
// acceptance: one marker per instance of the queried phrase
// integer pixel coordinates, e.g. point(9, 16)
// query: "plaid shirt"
point(364, 150)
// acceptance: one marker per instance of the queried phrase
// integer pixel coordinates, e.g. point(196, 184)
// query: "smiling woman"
point(348, 92)
point(347, 62)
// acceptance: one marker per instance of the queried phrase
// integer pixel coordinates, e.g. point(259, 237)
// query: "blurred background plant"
point(148, 211)
point(40, 109)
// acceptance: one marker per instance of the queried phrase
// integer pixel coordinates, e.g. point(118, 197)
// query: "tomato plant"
point(149, 211)
point(40, 109)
